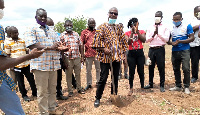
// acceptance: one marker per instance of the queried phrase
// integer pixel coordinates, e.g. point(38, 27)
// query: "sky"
point(21, 13)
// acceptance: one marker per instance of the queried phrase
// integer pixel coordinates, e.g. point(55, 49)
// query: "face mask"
point(91, 28)
point(157, 20)
point(39, 22)
point(69, 28)
point(51, 27)
point(112, 21)
point(177, 23)
point(1, 13)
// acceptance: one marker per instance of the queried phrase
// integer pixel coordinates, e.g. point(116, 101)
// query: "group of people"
point(107, 46)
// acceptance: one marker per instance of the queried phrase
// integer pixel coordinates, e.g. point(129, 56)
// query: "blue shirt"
point(181, 33)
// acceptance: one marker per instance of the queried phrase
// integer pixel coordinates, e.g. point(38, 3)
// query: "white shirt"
point(196, 41)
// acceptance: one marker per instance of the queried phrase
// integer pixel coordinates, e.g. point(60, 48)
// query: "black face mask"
point(91, 28)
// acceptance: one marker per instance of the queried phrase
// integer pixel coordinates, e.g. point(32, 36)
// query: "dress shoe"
point(88, 87)
point(148, 86)
point(26, 98)
point(81, 91)
point(193, 80)
point(70, 94)
point(97, 103)
point(175, 89)
point(162, 89)
point(56, 112)
point(61, 97)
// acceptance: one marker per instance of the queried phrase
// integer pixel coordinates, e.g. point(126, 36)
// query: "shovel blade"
point(116, 100)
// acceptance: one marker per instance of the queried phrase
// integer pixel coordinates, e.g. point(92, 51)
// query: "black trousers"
point(136, 57)
point(195, 55)
point(30, 78)
point(59, 79)
point(105, 67)
point(157, 56)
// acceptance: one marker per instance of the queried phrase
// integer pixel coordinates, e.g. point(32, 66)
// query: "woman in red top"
point(135, 54)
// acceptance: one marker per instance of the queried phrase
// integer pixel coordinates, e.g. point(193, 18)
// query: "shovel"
point(116, 100)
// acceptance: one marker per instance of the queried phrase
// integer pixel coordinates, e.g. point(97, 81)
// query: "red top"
point(135, 43)
point(87, 38)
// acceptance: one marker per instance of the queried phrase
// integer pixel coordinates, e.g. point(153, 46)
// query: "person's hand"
point(107, 51)
point(175, 43)
point(35, 53)
point(133, 30)
point(55, 45)
point(129, 41)
point(155, 32)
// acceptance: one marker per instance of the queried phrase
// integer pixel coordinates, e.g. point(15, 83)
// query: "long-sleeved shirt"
point(112, 38)
point(159, 39)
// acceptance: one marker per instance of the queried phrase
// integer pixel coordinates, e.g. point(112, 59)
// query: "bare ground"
point(142, 102)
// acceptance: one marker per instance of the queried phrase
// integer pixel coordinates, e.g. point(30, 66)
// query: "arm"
point(190, 39)
point(149, 36)
point(196, 28)
point(7, 62)
point(165, 35)
point(142, 37)
point(169, 41)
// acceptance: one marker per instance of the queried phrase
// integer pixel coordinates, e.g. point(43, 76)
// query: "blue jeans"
point(9, 101)
point(178, 58)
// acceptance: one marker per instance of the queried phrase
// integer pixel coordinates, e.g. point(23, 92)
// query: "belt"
point(157, 47)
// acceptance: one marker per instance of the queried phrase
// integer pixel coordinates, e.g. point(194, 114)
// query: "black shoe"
point(81, 91)
point(61, 97)
point(193, 80)
point(70, 94)
point(26, 98)
point(97, 103)
point(148, 86)
point(162, 89)
point(88, 87)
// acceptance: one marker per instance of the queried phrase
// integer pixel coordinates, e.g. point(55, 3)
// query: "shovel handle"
point(113, 82)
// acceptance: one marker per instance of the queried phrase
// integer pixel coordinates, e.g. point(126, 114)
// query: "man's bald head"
point(113, 8)
point(91, 24)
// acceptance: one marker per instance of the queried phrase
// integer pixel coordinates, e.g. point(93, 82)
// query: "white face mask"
point(157, 20)
point(1, 13)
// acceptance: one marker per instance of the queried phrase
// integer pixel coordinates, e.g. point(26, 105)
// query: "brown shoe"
point(56, 112)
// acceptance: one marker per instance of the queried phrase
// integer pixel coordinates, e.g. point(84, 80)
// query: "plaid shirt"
point(87, 38)
point(74, 42)
point(49, 60)
point(3, 75)
point(16, 49)
point(113, 38)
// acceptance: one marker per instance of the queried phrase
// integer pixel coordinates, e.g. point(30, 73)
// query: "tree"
point(79, 24)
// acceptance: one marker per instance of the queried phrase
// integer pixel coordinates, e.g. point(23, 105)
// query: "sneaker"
point(187, 91)
point(33, 98)
point(56, 112)
point(97, 103)
point(193, 80)
point(162, 89)
point(26, 98)
point(70, 94)
point(148, 86)
point(81, 91)
point(175, 89)
point(88, 87)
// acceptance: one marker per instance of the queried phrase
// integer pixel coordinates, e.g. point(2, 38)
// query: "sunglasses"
point(113, 13)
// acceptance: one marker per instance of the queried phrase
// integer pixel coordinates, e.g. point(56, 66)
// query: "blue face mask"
point(112, 21)
point(177, 23)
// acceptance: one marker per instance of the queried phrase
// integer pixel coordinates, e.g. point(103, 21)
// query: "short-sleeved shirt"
point(49, 60)
point(2, 37)
point(3, 75)
point(112, 38)
point(137, 43)
point(16, 49)
point(181, 33)
point(196, 41)
point(87, 38)
point(74, 42)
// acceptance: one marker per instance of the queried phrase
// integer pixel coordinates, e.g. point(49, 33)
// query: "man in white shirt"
point(195, 45)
